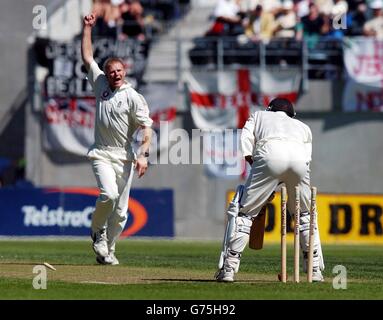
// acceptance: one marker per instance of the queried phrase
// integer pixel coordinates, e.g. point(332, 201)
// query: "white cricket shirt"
point(119, 114)
point(264, 126)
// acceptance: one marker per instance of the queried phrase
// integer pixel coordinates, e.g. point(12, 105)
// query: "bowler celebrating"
point(120, 111)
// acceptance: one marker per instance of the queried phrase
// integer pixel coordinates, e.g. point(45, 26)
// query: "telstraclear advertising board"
point(68, 212)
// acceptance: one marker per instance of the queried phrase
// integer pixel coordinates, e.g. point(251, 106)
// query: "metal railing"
point(225, 52)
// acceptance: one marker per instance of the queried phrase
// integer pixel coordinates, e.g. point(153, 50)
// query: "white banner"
point(221, 154)
point(69, 122)
point(363, 58)
point(283, 83)
point(69, 125)
point(363, 96)
point(211, 96)
point(162, 101)
point(225, 99)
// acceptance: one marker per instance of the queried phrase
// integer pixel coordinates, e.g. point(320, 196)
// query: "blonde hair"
point(111, 60)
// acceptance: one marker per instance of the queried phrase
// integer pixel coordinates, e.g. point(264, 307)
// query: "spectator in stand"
point(302, 8)
point(354, 4)
point(338, 15)
point(271, 6)
point(374, 26)
point(133, 27)
point(312, 26)
point(340, 7)
point(106, 22)
point(133, 22)
point(169, 9)
point(227, 19)
point(324, 6)
point(115, 8)
point(357, 18)
point(248, 5)
point(259, 26)
point(285, 21)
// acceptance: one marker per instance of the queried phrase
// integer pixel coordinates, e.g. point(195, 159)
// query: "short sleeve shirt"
point(119, 114)
point(268, 125)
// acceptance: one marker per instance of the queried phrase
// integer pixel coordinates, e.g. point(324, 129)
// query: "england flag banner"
point(225, 99)
point(162, 101)
point(281, 83)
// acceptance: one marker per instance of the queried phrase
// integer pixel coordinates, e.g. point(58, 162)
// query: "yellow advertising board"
point(342, 218)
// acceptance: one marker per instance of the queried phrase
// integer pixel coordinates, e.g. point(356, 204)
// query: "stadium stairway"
point(163, 63)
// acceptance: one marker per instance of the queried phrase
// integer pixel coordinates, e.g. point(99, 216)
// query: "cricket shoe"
point(108, 260)
point(225, 275)
point(102, 260)
point(100, 243)
point(317, 276)
point(112, 258)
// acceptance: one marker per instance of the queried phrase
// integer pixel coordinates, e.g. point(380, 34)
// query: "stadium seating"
point(324, 59)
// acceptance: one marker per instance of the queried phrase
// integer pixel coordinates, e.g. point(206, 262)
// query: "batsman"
point(278, 148)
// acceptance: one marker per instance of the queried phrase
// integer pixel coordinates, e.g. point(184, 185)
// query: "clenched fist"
point(89, 20)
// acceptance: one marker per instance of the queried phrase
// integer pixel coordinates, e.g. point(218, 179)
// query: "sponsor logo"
point(140, 218)
point(46, 217)
point(137, 213)
point(341, 218)
point(105, 95)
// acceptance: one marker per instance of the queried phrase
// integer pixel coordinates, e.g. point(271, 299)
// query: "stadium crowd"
point(267, 19)
point(239, 27)
point(136, 19)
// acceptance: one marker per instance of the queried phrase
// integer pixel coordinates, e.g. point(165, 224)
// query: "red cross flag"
point(225, 99)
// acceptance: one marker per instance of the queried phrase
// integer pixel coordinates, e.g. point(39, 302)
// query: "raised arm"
point(86, 41)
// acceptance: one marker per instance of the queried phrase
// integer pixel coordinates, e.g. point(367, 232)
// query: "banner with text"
point(69, 125)
point(66, 75)
point(69, 122)
point(68, 212)
point(342, 219)
point(68, 99)
point(364, 87)
point(359, 96)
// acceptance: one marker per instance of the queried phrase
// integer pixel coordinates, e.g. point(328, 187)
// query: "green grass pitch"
point(182, 270)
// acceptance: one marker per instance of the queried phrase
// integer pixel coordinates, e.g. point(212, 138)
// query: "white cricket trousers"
point(114, 179)
point(277, 161)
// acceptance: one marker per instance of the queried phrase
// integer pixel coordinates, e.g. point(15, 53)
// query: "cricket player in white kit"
point(120, 111)
point(278, 148)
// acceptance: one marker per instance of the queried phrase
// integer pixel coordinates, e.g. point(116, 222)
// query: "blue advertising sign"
point(68, 212)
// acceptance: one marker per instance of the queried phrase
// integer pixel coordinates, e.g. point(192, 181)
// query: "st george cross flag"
point(225, 99)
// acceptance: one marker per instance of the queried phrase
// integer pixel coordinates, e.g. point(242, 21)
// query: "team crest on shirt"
point(105, 95)
point(119, 104)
